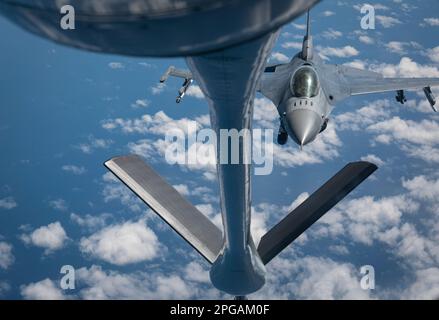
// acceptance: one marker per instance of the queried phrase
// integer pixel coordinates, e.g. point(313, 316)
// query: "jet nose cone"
point(304, 125)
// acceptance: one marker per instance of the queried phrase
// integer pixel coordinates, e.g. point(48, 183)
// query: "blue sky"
point(64, 112)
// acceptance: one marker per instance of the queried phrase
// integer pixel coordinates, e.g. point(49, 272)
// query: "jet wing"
point(358, 82)
point(274, 81)
point(366, 86)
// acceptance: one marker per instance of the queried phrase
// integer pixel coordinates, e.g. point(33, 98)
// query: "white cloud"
point(373, 159)
point(292, 45)
point(130, 242)
point(405, 6)
point(434, 22)
point(205, 160)
point(76, 170)
point(185, 282)
point(423, 188)
point(158, 88)
point(387, 21)
point(415, 139)
point(294, 35)
point(433, 54)
point(145, 147)
point(90, 221)
point(279, 57)
point(396, 47)
point(42, 290)
point(425, 287)
point(416, 250)
point(100, 284)
point(401, 47)
point(159, 123)
point(141, 103)
point(372, 113)
point(376, 6)
point(326, 279)
point(265, 114)
point(6, 256)
point(299, 26)
point(426, 153)
point(339, 250)
point(93, 144)
point(396, 129)
point(195, 91)
point(328, 13)
point(51, 237)
point(195, 272)
point(406, 68)
point(357, 64)
point(384, 211)
point(114, 190)
point(147, 65)
point(343, 52)
point(366, 39)
point(367, 219)
point(116, 65)
point(204, 193)
point(311, 278)
point(332, 34)
point(58, 204)
point(8, 203)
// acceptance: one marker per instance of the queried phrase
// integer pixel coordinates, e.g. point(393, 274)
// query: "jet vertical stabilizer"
point(307, 48)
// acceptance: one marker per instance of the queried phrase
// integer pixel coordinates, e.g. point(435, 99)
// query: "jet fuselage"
point(304, 106)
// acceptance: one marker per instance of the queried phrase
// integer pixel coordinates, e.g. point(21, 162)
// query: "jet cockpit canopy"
point(305, 83)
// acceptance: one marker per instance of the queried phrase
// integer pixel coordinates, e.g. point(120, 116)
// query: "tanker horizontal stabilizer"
point(312, 209)
point(167, 202)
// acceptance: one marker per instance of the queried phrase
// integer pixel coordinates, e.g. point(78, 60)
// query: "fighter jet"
point(306, 89)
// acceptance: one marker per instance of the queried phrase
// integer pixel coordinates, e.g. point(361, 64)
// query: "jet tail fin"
point(307, 48)
point(312, 209)
point(167, 202)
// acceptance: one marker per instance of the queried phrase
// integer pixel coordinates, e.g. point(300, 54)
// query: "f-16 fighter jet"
point(306, 89)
